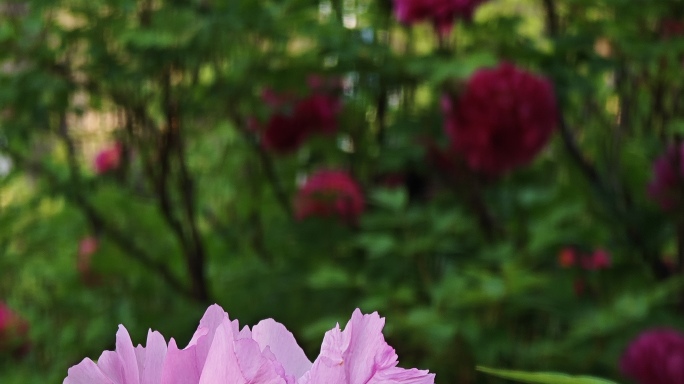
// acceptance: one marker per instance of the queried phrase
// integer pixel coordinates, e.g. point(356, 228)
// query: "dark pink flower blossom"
point(13, 331)
point(108, 159)
point(295, 120)
point(600, 259)
point(442, 13)
point(655, 357)
point(667, 184)
point(502, 120)
point(330, 193)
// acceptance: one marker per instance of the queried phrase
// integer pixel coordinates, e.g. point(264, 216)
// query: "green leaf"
point(393, 199)
point(542, 377)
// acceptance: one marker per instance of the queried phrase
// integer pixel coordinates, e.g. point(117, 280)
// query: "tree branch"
point(130, 248)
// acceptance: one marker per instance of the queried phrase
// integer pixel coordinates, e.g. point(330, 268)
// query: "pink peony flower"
point(360, 355)
point(667, 184)
point(108, 159)
point(296, 120)
point(330, 193)
point(502, 120)
point(655, 357)
point(219, 352)
point(441, 13)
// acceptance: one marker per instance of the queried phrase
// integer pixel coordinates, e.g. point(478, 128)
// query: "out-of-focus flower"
point(108, 159)
point(13, 331)
point(600, 259)
point(330, 193)
point(86, 249)
point(442, 13)
point(655, 357)
point(219, 352)
point(295, 120)
point(502, 120)
point(567, 257)
point(667, 184)
point(359, 354)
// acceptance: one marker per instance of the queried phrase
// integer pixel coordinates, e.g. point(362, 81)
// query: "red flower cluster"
point(502, 120)
point(329, 193)
point(655, 357)
point(667, 185)
point(108, 159)
point(600, 259)
point(13, 331)
point(441, 13)
point(295, 120)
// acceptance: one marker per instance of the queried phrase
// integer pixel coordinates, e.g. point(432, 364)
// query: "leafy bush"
point(138, 180)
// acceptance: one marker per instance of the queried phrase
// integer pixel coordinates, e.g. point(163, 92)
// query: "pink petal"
point(110, 364)
point(221, 365)
point(86, 372)
point(404, 376)
point(180, 366)
point(125, 350)
point(205, 334)
point(213, 317)
point(367, 351)
point(326, 371)
point(255, 367)
point(281, 342)
point(155, 352)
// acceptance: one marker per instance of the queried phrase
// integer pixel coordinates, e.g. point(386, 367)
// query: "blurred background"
point(297, 159)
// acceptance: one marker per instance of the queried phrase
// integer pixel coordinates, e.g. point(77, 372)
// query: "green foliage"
point(464, 267)
point(543, 378)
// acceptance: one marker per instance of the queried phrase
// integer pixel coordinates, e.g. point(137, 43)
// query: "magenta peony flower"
point(221, 353)
point(441, 13)
point(502, 120)
point(296, 120)
point(108, 159)
point(667, 185)
point(330, 193)
point(655, 357)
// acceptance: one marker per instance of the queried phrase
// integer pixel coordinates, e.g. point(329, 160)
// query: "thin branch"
point(632, 234)
point(266, 164)
point(131, 249)
point(195, 254)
